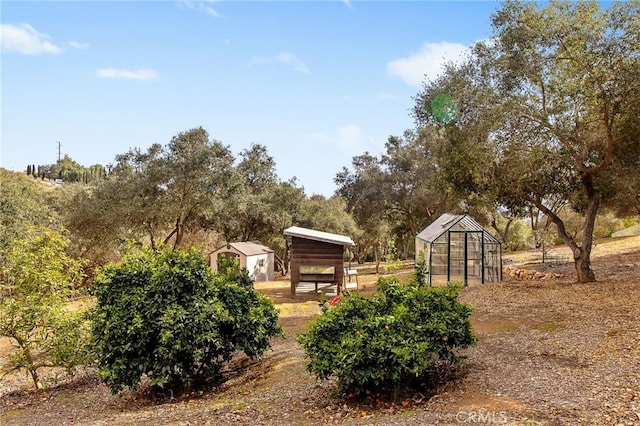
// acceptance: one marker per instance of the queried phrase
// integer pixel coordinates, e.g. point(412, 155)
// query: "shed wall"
point(306, 252)
point(260, 266)
point(228, 252)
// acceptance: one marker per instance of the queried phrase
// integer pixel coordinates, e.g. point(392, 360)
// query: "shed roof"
point(248, 248)
point(312, 234)
point(447, 221)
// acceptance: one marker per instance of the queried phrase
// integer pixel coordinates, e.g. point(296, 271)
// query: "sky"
point(316, 82)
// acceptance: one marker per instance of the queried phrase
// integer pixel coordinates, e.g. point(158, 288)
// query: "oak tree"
point(546, 110)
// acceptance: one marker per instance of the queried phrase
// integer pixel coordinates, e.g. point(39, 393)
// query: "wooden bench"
point(317, 274)
point(348, 275)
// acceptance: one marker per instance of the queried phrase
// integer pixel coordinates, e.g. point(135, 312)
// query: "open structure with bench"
point(317, 257)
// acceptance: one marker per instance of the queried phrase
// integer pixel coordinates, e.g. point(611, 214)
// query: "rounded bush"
point(165, 314)
point(388, 340)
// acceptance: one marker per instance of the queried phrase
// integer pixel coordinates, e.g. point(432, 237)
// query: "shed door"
point(229, 255)
point(465, 256)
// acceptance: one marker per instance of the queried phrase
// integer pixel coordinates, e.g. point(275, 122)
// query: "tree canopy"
point(546, 110)
point(22, 205)
point(540, 119)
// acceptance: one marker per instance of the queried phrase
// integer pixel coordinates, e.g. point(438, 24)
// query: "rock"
point(528, 274)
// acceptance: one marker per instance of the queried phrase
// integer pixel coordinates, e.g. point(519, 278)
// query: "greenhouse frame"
point(457, 248)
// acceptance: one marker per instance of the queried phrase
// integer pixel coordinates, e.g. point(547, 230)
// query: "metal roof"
point(447, 221)
point(312, 234)
point(248, 248)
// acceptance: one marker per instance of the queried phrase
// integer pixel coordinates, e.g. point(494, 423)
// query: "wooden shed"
point(258, 259)
point(316, 257)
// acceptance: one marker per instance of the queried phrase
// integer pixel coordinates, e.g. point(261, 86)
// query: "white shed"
point(258, 259)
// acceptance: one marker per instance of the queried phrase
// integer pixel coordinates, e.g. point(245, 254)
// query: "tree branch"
point(175, 230)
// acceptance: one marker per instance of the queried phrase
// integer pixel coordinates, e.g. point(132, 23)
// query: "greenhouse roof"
point(446, 222)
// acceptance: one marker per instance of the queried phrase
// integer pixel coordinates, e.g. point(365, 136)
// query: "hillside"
point(549, 352)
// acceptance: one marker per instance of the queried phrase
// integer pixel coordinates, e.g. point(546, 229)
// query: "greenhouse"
point(457, 248)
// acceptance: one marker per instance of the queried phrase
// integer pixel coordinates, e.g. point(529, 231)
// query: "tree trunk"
point(582, 257)
point(582, 253)
point(151, 236)
point(173, 232)
point(34, 376)
point(583, 268)
point(502, 233)
point(534, 228)
point(31, 366)
point(286, 264)
point(405, 250)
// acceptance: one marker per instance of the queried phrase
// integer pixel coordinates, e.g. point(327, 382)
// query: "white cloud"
point(141, 74)
point(24, 39)
point(77, 45)
point(284, 58)
point(348, 138)
point(428, 63)
point(200, 6)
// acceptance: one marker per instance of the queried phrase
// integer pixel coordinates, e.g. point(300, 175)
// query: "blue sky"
point(316, 82)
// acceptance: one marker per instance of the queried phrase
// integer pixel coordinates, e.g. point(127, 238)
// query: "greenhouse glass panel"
point(455, 247)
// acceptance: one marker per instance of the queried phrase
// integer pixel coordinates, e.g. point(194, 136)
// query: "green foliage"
point(628, 222)
point(420, 274)
point(21, 206)
point(390, 339)
point(164, 314)
point(227, 265)
point(166, 193)
point(89, 238)
point(393, 197)
point(392, 262)
point(69, 171)
point(36, 282)
point(548, 114)
point(607, 224)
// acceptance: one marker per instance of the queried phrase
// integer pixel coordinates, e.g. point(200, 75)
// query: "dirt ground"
point(549, 352)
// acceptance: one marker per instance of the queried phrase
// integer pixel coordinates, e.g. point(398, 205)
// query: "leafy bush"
point(37, 279)
point(166, 315)
point(388, 340)
point(520, 236)
point(392, 263)
point(606, 224)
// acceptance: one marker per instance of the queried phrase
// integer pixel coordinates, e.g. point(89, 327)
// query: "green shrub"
point(388, 340)
point(606, 224)
point(392, 263)
point(166, 315)
point(520, 236)
point(37, 280)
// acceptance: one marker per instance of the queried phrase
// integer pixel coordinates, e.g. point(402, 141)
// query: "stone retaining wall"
point(529, 274)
